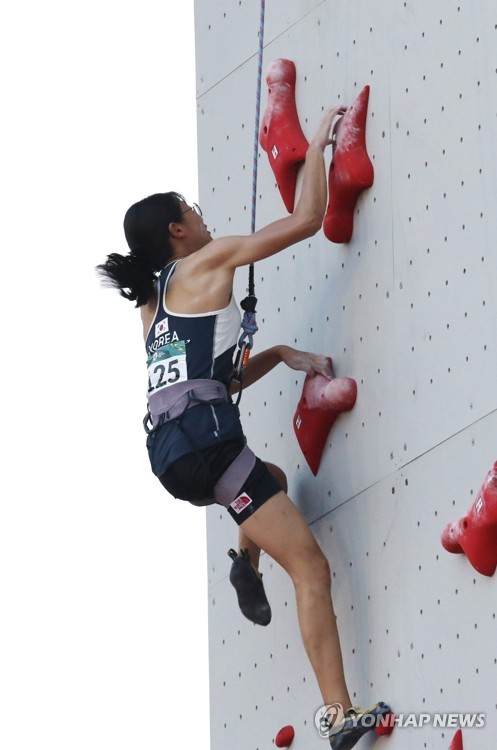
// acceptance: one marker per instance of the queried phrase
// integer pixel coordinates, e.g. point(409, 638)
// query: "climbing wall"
point(408, 308)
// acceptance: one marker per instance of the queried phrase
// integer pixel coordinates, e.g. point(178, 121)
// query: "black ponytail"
point(146, 227)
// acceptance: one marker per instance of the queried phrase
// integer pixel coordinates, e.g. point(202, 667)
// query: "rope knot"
point(249, 327)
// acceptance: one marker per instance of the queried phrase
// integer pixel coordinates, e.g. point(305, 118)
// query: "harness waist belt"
point(171, 402)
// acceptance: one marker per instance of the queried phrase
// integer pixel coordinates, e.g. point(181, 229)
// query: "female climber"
point(182, 281)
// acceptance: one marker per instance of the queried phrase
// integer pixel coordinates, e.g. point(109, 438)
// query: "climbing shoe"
point(356, 722)
point(249, 588)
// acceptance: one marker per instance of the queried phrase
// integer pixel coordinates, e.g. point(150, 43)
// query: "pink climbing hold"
point(320, 405)
point(285, 736)
point(281, 135)
point(476, 533)
point(351, 170)
point(456, 743)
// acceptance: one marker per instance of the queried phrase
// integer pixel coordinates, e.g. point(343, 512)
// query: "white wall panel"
point(408, 309)
point(226, 36)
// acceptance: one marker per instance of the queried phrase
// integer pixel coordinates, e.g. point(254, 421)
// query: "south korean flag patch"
point(240, 503)
point(161, 327)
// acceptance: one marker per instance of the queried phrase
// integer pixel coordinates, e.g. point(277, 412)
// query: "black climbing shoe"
point(249, 588)
point(356, 722)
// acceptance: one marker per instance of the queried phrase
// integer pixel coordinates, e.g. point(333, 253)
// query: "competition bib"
point(167, 366)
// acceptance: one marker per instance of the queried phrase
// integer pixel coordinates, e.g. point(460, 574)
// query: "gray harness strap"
point(229, 485)
point(170, 403)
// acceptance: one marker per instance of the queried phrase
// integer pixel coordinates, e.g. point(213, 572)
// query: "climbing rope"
point(257, 117)
point(249, 324)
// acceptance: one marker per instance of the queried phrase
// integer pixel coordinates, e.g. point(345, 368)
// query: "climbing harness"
point(248, 305)
point(171, 404)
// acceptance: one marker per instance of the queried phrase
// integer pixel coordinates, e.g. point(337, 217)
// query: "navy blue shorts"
point(194, 476)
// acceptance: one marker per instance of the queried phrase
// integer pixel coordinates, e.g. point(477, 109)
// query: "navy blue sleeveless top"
point(202, 343)
point(183, 347)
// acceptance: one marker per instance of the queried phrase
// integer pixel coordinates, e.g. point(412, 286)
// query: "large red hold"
point(476, 533)
point(320, 405)
point(281, 135)
point(456, 743)
point(351, 170)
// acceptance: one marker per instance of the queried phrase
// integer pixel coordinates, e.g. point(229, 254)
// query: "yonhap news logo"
point(440, 720)
point(330, 719)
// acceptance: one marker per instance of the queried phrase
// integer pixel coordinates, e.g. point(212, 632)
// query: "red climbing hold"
point(322, 401)
point(351, 170)
point(456, 743)
point(476, 533)
point(281, 135)
point(385, 724)
point(285, 736)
